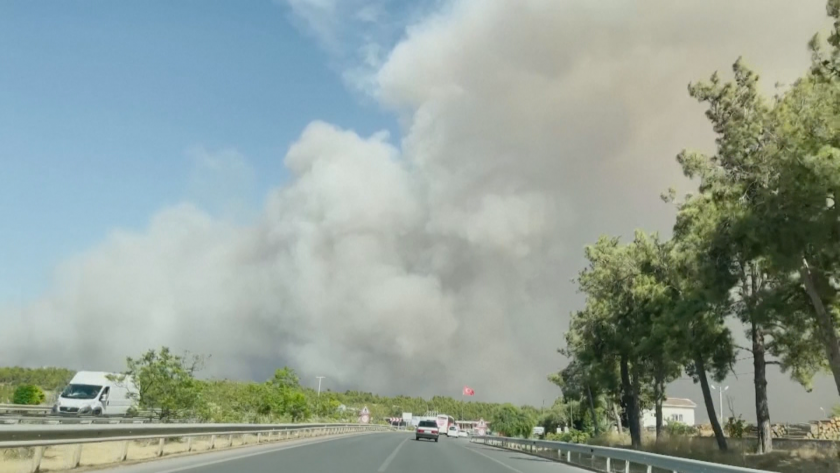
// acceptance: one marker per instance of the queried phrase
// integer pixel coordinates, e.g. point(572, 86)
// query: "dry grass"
point(98, 454)
point(802, 460)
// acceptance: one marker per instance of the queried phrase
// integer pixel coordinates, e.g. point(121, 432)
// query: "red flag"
point(468, 391)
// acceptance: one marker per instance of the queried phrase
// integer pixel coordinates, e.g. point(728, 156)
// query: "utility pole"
point(319, 384)
point(721, 389)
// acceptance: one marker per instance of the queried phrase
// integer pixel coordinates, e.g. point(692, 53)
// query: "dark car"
point(427, 429)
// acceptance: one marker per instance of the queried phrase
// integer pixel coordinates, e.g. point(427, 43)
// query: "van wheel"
point(97, 412)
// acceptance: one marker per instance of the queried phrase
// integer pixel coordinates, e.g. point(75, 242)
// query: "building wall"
point(683, 415)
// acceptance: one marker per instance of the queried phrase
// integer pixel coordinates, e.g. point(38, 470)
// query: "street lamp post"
point(721, 389)
point(319, 384)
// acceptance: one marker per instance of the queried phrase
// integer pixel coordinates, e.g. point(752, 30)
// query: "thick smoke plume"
point(420, 263)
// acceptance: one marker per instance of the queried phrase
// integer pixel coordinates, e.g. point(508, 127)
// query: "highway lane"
point(388, 452)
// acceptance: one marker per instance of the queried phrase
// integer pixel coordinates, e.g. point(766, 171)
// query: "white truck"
point(93, 393)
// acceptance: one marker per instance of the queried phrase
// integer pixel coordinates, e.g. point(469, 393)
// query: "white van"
point(92, 393)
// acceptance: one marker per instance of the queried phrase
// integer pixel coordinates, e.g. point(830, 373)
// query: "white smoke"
point(443, 258)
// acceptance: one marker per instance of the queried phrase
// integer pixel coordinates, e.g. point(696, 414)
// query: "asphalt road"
point(388, 452)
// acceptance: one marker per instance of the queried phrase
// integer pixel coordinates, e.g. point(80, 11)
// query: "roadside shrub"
point(572, 436)
point(28, 394)
point(678, 428)
point(735, 428)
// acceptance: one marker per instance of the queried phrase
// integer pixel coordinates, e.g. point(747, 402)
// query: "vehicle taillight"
point(421, 431)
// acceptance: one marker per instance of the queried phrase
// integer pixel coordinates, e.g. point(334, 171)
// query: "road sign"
point(406, 417)
point(364, 416)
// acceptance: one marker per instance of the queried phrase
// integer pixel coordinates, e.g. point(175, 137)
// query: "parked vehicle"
point(93, 393)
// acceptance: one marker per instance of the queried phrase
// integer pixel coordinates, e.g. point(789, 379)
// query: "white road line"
point(391, 457)
point(493, 459)
point(261, 452)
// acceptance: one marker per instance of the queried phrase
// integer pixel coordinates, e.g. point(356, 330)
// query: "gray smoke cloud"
point(441, 258)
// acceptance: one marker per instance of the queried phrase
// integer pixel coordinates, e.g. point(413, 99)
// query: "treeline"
point(168, 386)
point(758, 242)
point(47, 378)
point(385, 406)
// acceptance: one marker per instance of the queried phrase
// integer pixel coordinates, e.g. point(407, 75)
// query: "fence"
point(46, 411)
point(613, 459)
point(40, 437)
point(64, 420)
point(21, 408)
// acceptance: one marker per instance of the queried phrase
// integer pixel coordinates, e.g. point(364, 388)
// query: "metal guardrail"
point(42, 436)
point(25, 408)
point(46, 411)
point(71, 420)
point(614, 455)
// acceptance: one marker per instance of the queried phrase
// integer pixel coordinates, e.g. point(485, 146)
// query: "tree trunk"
point(637, 403)
point(572, 419)
point(824, 321)
point(762, 409)
point(630, 404)
point(592, 411)
point(658, 397)
point(618, 425)
point(700, 367)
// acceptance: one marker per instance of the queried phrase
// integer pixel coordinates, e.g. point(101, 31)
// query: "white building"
point(673, 409)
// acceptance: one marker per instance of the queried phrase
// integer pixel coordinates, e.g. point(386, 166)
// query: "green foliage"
point(632, 337)
point(286, 378)
point(166, 383)
point(229, 401)
point(297, 407)
point(753, 225)
point(759, 241)
point(512, 421)
point(735, 428)
point(572, 436)
point(28, 394)
point(6, 393)
point(383, 406)
point(326, 405)
point(552, 419)
point(49, 379)
point(775, 183)
point(167, 386)
point(674, 428)
point(46, 378)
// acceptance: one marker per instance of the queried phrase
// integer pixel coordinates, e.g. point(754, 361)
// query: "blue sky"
point(101, 101)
